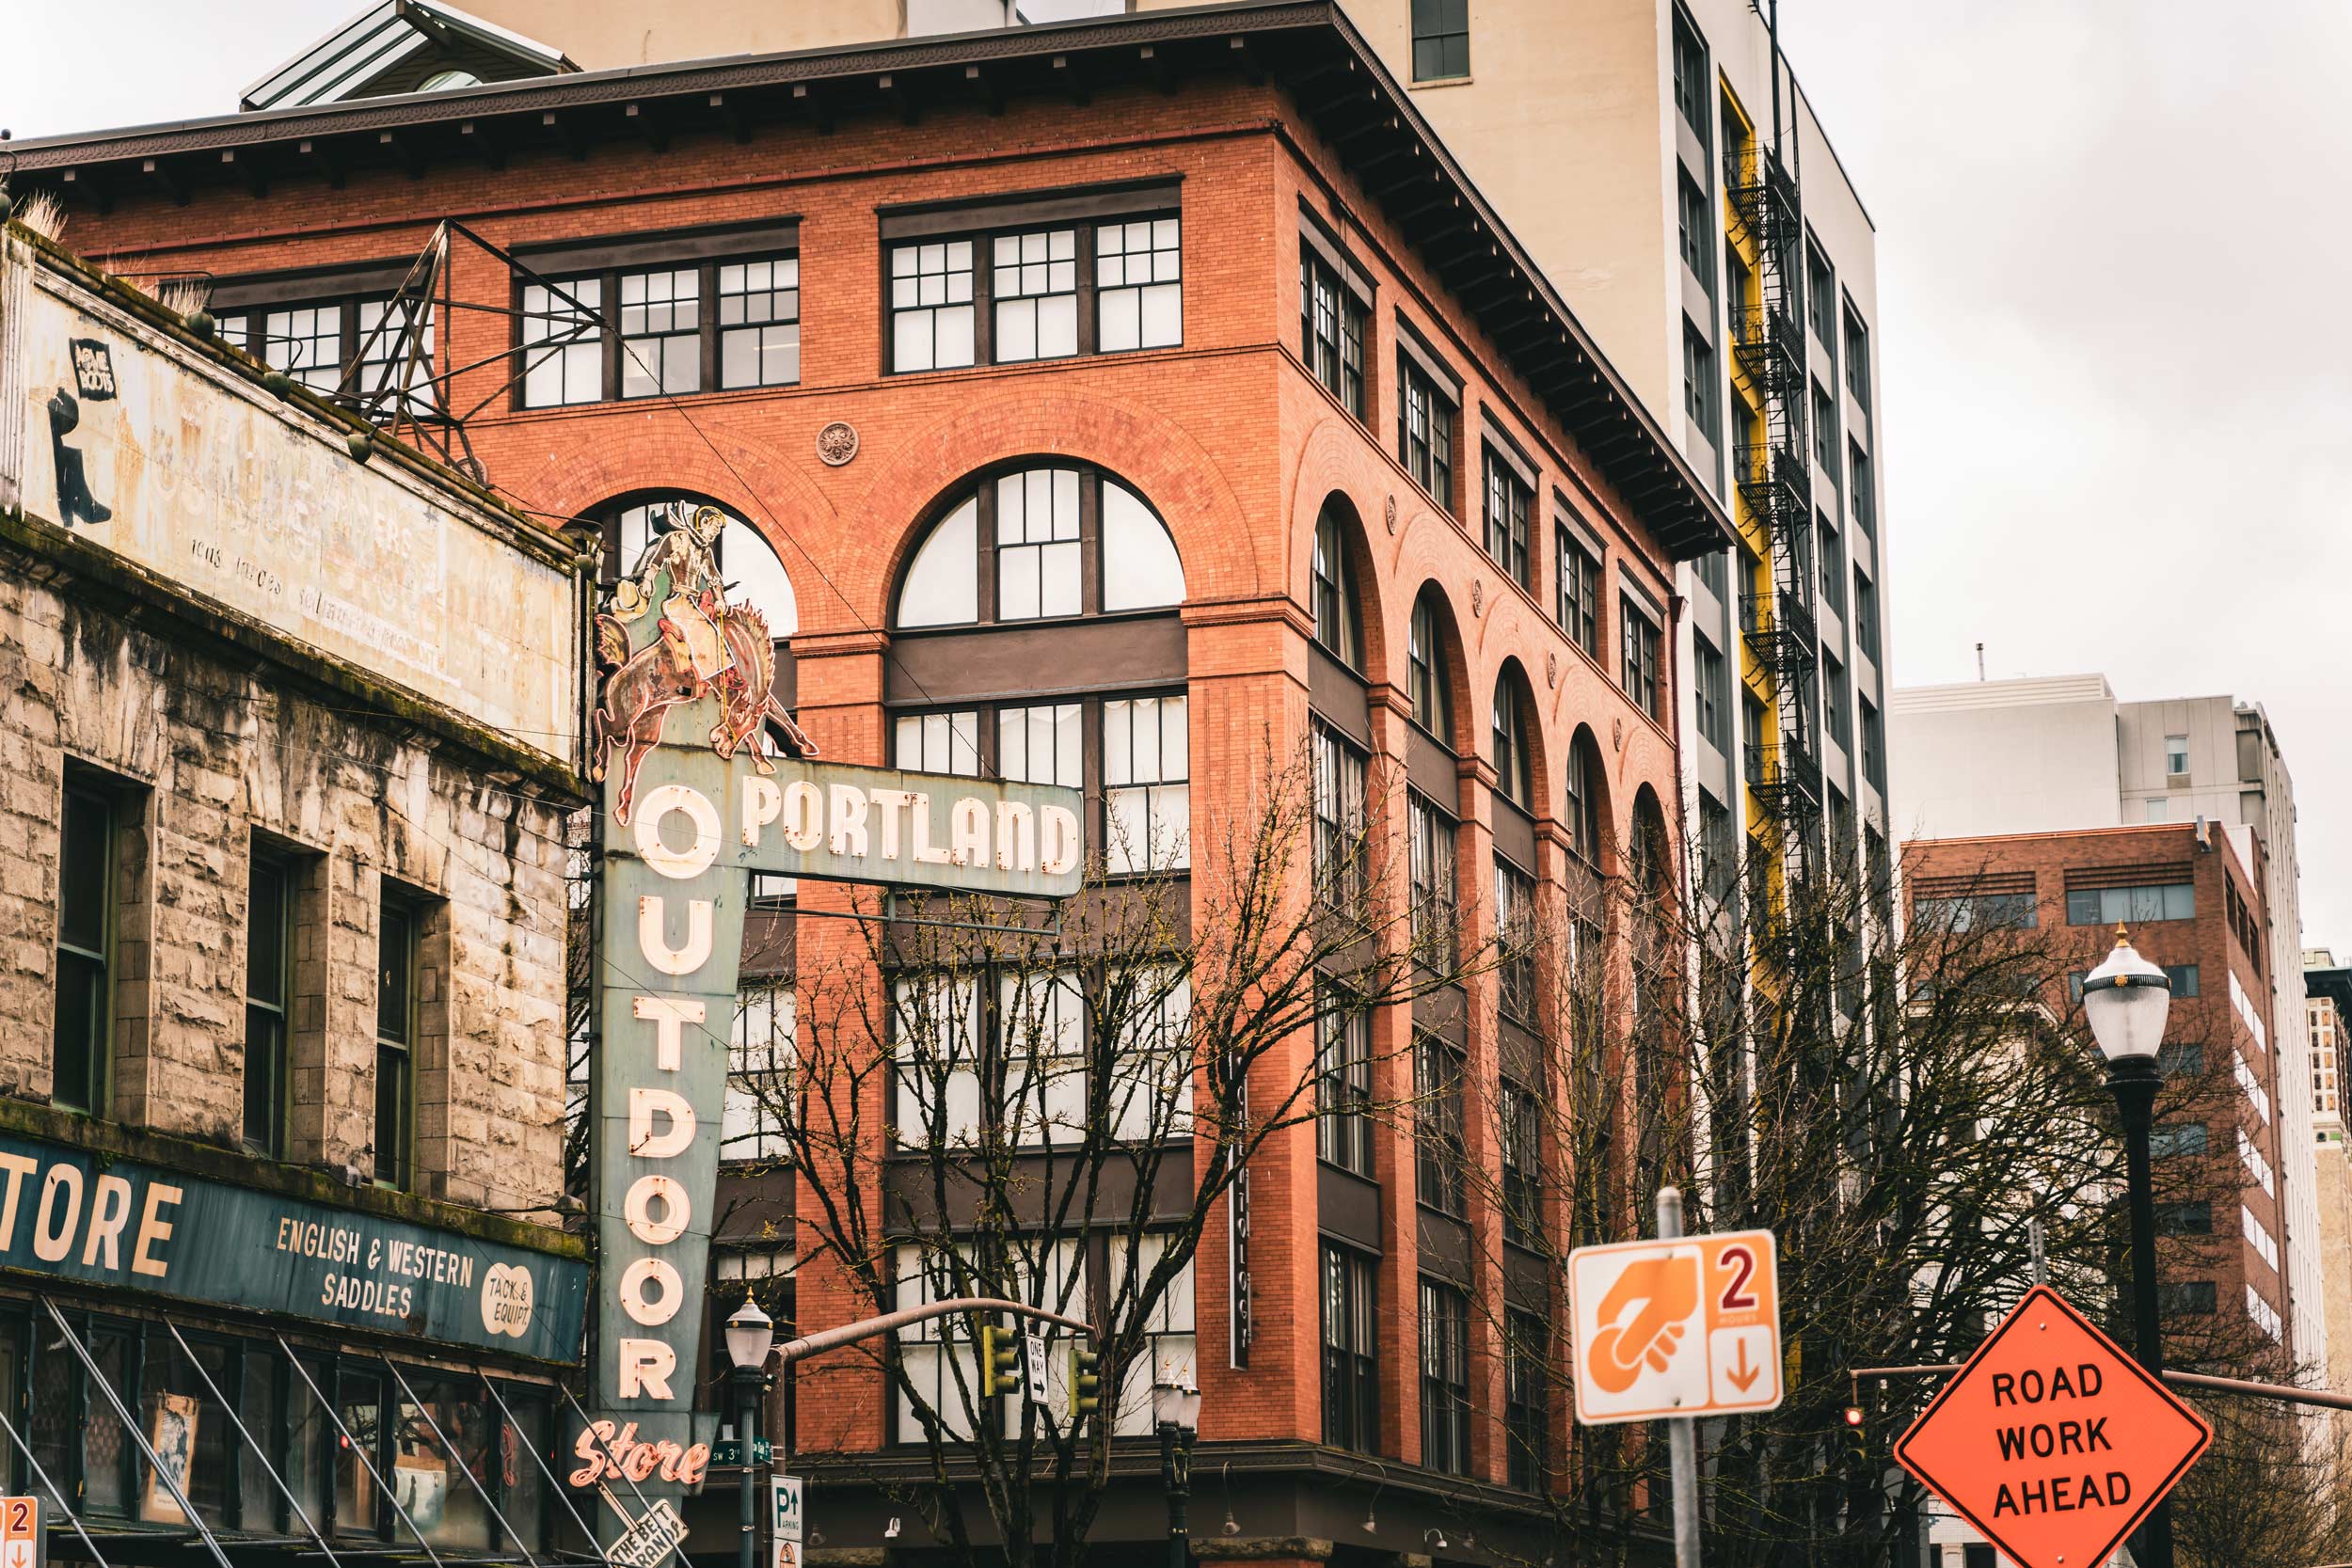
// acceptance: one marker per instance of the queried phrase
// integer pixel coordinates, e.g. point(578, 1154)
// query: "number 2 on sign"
point(1736, 1296)
point(20, 1516)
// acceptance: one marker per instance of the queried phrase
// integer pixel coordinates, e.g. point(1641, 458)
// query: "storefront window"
point(106, 1448)
point(359, 1506)
point(260, 1506)
point(310, 1437)
point(430, 1469)
point(524, 1487)
point(13, 1478)
point(187, 1427)
point(55, 1410)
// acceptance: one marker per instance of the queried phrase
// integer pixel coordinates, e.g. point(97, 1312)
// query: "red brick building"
point(2193, 905)
point(1194, 314)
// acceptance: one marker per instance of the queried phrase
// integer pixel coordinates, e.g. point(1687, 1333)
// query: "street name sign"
point(1683, 1328)
point(2052, 1441)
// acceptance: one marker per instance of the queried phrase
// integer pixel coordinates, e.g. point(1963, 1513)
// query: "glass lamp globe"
point(2127, 999)
point(750, 1334)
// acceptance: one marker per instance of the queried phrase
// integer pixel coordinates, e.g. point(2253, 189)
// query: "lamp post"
point(750, 1334)
point(2126, 1000)
point(1176, 1415)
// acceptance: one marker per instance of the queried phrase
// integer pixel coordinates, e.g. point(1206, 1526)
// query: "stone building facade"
point(283, 931)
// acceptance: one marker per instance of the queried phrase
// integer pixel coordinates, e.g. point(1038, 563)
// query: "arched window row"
point(1041, 542)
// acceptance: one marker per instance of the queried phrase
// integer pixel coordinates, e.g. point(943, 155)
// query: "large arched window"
point(1585, 805)
point(1041, 542)
point(1338, 611)
point(747, 562)
point(1514, 764)
point(1425, 669)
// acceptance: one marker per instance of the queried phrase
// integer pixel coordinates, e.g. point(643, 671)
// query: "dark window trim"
point(671, 247)
point(1514, 455)
point(1317, 236)
point(306, 286)
point(1083, 204)
point(1416, 347)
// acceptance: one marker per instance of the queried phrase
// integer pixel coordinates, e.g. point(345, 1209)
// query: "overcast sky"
point(2116, 397)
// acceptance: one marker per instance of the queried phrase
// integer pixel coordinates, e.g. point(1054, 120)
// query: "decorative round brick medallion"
point(1390, 510)
point(1478, 596)
point(837, 443)
point(1552, 670)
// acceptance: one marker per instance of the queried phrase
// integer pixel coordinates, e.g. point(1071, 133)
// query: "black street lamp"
point(750, 1334)
point(2126, 1000)
point(1176, 1415)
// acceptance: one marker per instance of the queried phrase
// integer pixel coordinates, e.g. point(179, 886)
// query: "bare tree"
point(986, 1100)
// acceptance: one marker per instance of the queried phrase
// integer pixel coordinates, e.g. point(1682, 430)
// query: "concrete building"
point(1662, 164)
point(1309, 437)
point(2327, 985)
point(288, 749)
point(2061, 753)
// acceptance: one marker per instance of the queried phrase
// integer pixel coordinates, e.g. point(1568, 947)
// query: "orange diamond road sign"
point(2052, 1441)
point(1683, 1328)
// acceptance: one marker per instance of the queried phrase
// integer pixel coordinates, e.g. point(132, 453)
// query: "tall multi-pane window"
point(1833, 559)
point(1514, 931)
point(1426, 415)
point(1514, 767)
point(759, 323)
point(1036, 544)
point(1340, 849)
point(1836, 692)
point(1698, 381)
point(1351, 1346)
point(1343, 1083)
point(1824, 432)
point(86, 919)
point(1712, 694)
point(1138, 288)
point(1526, 1399)
point(756, 1114)
point(1331, 326)
point(1425, 674)
point(1583, 772)
point(395, 1042)
point(1339, 624)
point(931, 306)
point(1820, 298)
point(1044, 744)
point(388, 331)
point(307, 342)
point(1857, 361)
point(1440, 39)
point(1691, 77)
point(1578, 605)
point(1861, 499)
point(1695, 230)
point(1866, 613)
point(563, 345)
point(1440, 1157)
point(1638, 672)
point(1522, 1178)
point(1147, 790)
point(1430, 852)
point(2176, 755)
point(268, 1000)
point(1873, 745)
point(945, 742)
point(661, 331)
point(1034, 282)
point(1508, 502)
point(1444, 1377)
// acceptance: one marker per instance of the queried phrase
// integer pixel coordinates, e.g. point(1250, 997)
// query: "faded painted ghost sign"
point(693, 808)
point(140, 444)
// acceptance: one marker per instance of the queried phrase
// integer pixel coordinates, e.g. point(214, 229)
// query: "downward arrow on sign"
point(1743, 1375)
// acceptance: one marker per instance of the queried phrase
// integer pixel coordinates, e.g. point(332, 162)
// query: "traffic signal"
point(1085, 1379)
point(1000, 1361)
point(1857, 1441)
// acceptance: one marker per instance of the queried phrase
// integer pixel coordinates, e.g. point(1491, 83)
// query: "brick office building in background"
point(1159, 367)
point(2194, 906)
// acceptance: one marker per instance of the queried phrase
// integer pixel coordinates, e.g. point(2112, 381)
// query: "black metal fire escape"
point(1783, 768)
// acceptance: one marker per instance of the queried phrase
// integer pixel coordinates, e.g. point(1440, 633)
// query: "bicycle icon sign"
point(1684, 1327)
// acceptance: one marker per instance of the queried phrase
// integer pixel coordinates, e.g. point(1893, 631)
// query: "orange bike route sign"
point(1683, 1327)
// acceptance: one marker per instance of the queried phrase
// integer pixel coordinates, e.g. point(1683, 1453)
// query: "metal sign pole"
point(1682, 1449)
